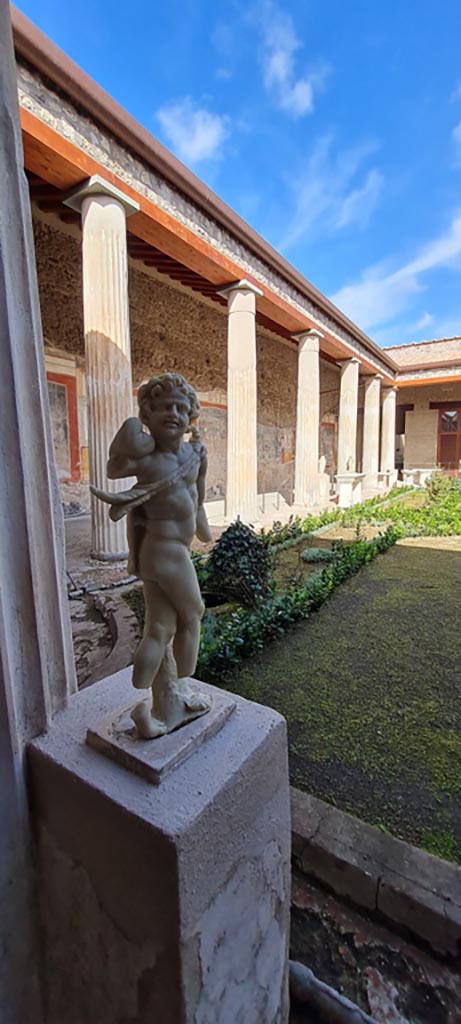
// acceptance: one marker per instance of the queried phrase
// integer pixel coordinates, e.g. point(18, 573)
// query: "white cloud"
point(224, 73)
point(456, 136)
point(403, 333)
point(424, 321)
point(380, 296)
point(327, 195)
point(292, 93)
point(358, 205)
point(194, 132)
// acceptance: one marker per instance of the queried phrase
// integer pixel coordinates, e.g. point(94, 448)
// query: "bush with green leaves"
point(317, 555)
point(239, 566)
point(200, 565)
point(437, 486)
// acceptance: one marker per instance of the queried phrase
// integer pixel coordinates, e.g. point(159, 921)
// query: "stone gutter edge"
point(388, 877)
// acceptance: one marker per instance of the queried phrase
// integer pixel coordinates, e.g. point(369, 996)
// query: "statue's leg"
point(183, 591)
point(160, 624)
point(178, 579)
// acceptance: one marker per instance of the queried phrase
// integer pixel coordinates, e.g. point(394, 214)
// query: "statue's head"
point(168, 404)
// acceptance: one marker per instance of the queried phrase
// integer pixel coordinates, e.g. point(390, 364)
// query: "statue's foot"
point(148, 727)
point(196, 701)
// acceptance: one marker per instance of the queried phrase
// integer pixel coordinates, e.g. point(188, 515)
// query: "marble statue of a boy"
point(165, 511)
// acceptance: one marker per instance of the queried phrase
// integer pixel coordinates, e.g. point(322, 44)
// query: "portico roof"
point(58, 162)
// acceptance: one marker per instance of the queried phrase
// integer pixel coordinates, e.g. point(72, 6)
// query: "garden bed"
point(371, 690)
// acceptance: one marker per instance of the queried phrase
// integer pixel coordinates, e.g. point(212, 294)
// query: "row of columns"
point(104, 209)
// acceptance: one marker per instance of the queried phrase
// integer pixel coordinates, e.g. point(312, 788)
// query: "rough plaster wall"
point(59, 271)
point(172, 331)
point(277, 368)
point(329, 388)
point(421, 396)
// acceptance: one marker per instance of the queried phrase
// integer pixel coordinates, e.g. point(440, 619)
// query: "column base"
point(175, 897)
point(110, 556)
point(349, 489)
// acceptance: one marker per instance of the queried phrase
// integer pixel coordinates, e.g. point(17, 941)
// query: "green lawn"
point(371, 689)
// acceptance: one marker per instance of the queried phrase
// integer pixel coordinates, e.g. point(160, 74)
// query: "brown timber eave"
point(34, 47)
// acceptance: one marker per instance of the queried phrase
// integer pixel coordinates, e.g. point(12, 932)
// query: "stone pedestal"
point(347, 424)
point(242, 466)
point(388, 430)
point(166, 902)
point(349, 487)
point(307, 483)
point(107, 341)
point(371, 414)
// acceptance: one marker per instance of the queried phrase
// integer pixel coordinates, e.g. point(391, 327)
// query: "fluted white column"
point(371, 416)
point(242, 479)
point(388, 430)
point(107, 341)
point(347, 426)
point(307, 419)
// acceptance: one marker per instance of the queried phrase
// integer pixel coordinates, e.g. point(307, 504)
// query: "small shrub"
point(239, 566)
point(317, 555)
point(437, 486)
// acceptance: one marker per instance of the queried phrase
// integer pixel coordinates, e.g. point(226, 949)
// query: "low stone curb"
point(410, 888)
point(123, 626)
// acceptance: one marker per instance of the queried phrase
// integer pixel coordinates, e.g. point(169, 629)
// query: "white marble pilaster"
point(307, 419)
point(371, 417)
point(36, 658)
point(388, 430)
point(347, 426)
point(241, 486)
point(104, 209)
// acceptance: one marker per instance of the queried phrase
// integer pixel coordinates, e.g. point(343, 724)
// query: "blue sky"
point(333, 128)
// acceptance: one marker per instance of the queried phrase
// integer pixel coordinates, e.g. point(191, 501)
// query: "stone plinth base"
point(349, 486)
point(116, 736)
point(387, 479)
point(417, 477)
point(164, 903)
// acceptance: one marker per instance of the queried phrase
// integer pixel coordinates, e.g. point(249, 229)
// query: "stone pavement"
point(392, 978)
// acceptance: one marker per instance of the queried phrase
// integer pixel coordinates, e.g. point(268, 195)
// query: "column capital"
point(309, 333)
point(97, 186)
point(370, 379)
point(390, 389)
point(239, 286)
point(347, 362)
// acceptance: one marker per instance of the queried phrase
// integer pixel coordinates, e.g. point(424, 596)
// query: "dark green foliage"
point(317, 555)
point(239, 566)
point(200, 566)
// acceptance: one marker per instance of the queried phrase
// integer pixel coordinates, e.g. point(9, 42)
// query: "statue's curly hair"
point(167, 382)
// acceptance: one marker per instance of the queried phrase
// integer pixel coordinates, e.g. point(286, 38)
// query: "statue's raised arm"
point(131, 443)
